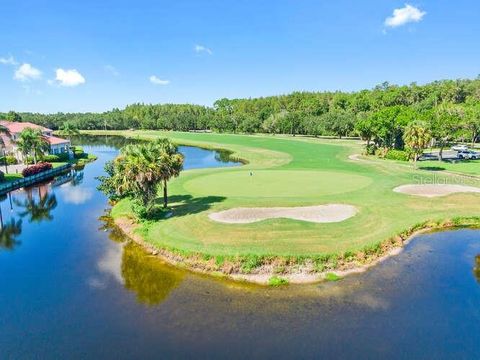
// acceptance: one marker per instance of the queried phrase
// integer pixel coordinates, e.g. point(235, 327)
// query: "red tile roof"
point(53, 140)
point(17, 127)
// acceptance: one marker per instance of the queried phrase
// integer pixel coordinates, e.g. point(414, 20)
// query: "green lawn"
point(292, 172)
point(468, 167)
point(11, 177)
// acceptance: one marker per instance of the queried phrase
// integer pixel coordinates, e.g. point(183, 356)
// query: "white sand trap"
point(319, 214)
point(434, 190)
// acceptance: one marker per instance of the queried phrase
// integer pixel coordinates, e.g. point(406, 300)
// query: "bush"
point(11, 160)
point(63, 157)
point(381, 152)
point(51, 158)
point(36, 169)
point(78, 153)
point(397, 155)
point(370, 149)
point(28, 160)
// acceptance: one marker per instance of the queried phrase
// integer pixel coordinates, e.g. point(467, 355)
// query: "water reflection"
point(76, 195)
point(9, 233)
point(131, 266)
point(146, 276)
point(37, 210)
point(476, 269)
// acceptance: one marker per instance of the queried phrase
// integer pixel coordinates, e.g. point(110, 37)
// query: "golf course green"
point(282, 171)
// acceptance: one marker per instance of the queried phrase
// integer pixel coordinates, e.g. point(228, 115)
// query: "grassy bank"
point(291, 172)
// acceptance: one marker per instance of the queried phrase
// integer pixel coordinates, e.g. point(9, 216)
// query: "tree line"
point(449, 108)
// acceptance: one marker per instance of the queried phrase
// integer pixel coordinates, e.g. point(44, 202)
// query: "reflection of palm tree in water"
point(146, 276)
point(476, 269)
point(40, 210)
point(9, 232)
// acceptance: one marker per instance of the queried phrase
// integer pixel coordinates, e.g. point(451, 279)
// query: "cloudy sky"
point(94, 55)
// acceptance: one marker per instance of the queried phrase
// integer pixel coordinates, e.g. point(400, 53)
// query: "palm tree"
point(68, 129)
point(32, 141)
point(417, 136)
point(137, 173)
point(141, 169)
point(4, 131)
point(171, 163)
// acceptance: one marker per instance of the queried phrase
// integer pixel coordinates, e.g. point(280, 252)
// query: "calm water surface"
point(71, 287)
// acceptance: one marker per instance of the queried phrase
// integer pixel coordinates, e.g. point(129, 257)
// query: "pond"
point(73, 287)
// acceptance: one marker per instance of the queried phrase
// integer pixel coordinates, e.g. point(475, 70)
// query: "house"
point(57, 145)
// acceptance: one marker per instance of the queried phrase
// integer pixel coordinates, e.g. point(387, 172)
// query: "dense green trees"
point(450, 108)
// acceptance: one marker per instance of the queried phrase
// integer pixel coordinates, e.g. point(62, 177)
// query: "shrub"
point(381, 152)
point(78, 152)
point(36, 169)
point(51, 158)
point(397, 155)
point(11, 160)
point(370, 149)
point(63, 157)
point(28, 160)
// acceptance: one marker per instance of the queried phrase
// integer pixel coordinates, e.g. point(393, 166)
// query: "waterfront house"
point(57, 145)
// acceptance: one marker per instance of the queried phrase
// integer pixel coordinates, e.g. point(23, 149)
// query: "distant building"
point(57, 145)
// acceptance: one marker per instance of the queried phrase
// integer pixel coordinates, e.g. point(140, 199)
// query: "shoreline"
point(293, 273)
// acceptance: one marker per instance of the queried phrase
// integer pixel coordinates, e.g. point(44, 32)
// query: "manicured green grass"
point(290, 171)
point(11, 177)
point(469, 167)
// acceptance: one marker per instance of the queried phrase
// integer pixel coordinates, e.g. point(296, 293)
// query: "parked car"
point(468, 155)
point(460, 148)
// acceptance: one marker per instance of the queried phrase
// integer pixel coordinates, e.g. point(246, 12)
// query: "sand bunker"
point(319, 214)
point(434, 190)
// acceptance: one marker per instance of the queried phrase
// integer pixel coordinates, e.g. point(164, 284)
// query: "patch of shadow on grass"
point(432, 168)
point(182, 205)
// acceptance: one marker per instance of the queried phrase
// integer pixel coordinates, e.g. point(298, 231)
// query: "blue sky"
point(95, 55)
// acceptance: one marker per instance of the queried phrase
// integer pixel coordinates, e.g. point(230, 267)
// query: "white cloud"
point(27, 72)
point(68, 78)
point(157, 81)
point(202, 49)
point(8, 60)
point(111, 70)
point(405, 15)
point(75, 194)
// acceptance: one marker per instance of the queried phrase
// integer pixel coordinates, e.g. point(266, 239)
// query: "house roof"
point(53, 140)
point(17, 127)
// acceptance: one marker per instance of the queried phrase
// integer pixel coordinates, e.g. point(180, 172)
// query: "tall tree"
point(171, 164)
point(444, 124)
point(140, 171)
point(69, 129)
point(417, 137)
point(472, 120)
point(32, 142)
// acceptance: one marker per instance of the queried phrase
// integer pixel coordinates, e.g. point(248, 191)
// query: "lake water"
point(71, 287)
